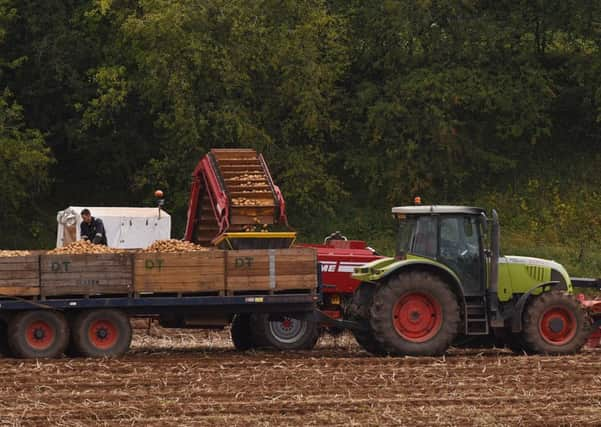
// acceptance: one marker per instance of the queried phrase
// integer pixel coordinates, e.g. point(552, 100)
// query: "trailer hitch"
point(318, 316)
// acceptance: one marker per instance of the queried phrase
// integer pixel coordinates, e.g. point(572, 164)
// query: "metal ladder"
point(476, 319)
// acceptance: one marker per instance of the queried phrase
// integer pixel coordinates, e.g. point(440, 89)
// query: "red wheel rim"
point(40, 335)
point(557, 326)
point(417, 317)
point(103, 334)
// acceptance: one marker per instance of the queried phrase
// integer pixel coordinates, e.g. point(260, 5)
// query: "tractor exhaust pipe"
point(495, 250)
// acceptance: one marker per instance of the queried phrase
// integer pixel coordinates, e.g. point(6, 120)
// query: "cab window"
point(418, 236)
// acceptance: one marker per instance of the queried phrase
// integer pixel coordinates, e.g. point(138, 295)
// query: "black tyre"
point(101, 333)
point(71, 350)
point(359, 312)
point(516, 343)
point(241, 332)
point(283, 332)
point(38, 334)
point(415, 314)
point(4, 348)
point(555, 323)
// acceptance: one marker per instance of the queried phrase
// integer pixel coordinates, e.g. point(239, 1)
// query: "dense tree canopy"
point(357, 105)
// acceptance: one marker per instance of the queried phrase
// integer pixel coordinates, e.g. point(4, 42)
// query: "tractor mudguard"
point(381, 268)
point(370, 273)
point(516, 319)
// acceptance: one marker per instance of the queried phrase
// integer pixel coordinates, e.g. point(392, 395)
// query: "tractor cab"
point(450, 235)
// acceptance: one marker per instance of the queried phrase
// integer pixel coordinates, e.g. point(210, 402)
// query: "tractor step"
point(476, 316)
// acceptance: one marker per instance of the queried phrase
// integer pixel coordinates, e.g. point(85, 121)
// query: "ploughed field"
point(185, 377)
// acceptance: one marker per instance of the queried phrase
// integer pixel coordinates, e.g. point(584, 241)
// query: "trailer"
point(81, 304)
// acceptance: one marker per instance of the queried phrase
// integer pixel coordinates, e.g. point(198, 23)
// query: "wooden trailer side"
point(89, 274)
point(187, 272)
point(271, 270)
point(20, 276)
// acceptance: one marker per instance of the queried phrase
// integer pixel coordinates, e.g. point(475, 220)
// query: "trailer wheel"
point(415, 314)
point(101, 333)
point(4, 348)
point(555, 323)
point(241, 332)
point(38, 334)
point(284, 332)
point(359, 312)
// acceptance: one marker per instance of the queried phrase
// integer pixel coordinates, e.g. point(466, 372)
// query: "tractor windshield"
point(417, 235)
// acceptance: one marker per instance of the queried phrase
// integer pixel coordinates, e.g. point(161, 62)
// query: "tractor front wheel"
point(555, 323)
point(415, 314)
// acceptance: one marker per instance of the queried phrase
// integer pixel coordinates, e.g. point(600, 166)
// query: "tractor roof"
point(433, 209)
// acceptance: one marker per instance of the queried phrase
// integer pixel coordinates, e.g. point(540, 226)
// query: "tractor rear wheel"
point(241, 332)
point(555, 323)
point(359, 312)
point(38, 334)
point(101, 333)
point(284, 332)
point(415, 314)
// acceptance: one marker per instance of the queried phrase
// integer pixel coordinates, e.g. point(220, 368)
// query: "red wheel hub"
point(103, 334)
point(40, 335)
point(417, 317)
point(286, 323)
point(557, 326)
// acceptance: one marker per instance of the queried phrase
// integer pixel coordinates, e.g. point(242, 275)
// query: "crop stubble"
point(195, 378)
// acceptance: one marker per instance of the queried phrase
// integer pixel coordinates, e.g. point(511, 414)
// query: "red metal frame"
point(338, 258)
point(283, 219)
point(204, 178)
point(593, 307)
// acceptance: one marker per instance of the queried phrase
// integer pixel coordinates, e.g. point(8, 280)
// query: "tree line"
point(357, 105)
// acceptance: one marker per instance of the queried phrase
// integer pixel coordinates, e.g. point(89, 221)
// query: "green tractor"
point(449, 284)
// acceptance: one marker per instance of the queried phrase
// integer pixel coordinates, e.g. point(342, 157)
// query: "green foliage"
point(24, 163)
point(357, 105)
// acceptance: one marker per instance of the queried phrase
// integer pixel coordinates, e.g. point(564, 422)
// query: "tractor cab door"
point(460, 248)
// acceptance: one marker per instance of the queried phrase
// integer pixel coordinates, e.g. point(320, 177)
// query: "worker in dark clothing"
point(92, 229)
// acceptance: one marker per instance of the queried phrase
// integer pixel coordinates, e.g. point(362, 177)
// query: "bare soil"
point(180, 378)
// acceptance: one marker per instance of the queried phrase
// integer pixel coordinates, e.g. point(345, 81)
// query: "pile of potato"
point(248, 177)
point(83, 247)
point(173, 246)
point(243, 201)
point(253, 191)
point(13, 253)
point(251, 183)
point(254, 185)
